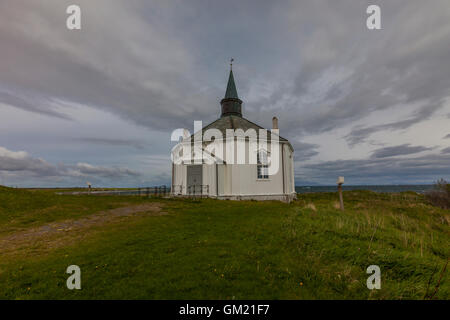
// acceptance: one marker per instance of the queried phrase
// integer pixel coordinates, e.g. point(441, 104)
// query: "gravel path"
point(61, 233)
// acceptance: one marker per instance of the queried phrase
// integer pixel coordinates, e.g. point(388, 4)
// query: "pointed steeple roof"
point(231, 104)
point(231, 88)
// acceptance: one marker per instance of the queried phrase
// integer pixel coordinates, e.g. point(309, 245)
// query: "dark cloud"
point(31, 103)
point(90, 170)
point(347, 72)
point(445, 150)
point(339, 71)
point(424, 169)
point(359, 135)
point(304, 151)
point(146, 81)
point(447, 136)
point(113, 142)
point(404, 149)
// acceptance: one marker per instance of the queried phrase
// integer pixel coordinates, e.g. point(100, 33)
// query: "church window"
point(263, 167)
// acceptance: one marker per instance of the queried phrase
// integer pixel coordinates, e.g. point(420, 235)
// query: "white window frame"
point(262, 167)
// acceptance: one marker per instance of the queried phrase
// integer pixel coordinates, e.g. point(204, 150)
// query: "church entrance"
point(194, 179)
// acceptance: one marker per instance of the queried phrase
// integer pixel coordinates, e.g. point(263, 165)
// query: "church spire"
point(231, 87)
point(231, 104)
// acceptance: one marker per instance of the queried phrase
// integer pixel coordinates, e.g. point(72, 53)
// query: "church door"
point(194, 179)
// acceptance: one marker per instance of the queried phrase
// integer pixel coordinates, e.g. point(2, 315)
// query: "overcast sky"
point(99, 104)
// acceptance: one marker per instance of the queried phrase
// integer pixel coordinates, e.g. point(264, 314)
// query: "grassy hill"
point(131, 247)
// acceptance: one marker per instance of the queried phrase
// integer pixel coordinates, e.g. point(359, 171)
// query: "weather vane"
point(231, 63)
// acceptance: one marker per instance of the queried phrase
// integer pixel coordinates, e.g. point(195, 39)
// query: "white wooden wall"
point(242, 179)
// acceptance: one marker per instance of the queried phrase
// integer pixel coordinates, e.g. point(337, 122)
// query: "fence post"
point(341, 200)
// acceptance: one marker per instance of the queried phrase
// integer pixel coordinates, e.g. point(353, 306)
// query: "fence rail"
point(146, 191)
point(157, 191)
point(198, 190)
point(192, 191)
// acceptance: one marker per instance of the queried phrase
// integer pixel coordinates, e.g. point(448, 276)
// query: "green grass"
point(212, 249)
point(21, 208)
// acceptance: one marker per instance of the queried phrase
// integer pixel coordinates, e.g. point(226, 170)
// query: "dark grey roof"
point(235, 122)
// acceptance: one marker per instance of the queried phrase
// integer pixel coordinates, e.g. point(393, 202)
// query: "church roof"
point(235, 122)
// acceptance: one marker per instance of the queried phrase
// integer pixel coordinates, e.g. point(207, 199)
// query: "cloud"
point(330, 75)
point(445, 150)
point(348, 73)
point(20, 161)
point(424, 169)
point(447, 136)
point(146, 81)
point(113, 142)
point(86, 169)
point(20, 166)
point(159, 65)
point(304, 151)
point(360, 134)
point(404, 149)
point(33, 103)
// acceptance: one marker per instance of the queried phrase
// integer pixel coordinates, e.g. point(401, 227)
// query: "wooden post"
point(341, 199)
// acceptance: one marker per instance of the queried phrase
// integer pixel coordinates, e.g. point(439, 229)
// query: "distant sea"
point(382, 188)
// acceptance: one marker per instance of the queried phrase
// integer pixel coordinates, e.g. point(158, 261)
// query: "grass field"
point(131, 247)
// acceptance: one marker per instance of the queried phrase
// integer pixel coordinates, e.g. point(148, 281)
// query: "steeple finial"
point(231, 63)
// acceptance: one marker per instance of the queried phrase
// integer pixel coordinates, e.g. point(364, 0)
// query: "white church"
point(233, 158)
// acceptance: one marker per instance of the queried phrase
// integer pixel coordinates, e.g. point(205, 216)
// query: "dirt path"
point(62, 233)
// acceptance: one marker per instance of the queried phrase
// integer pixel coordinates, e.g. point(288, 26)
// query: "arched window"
point(262, 167)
